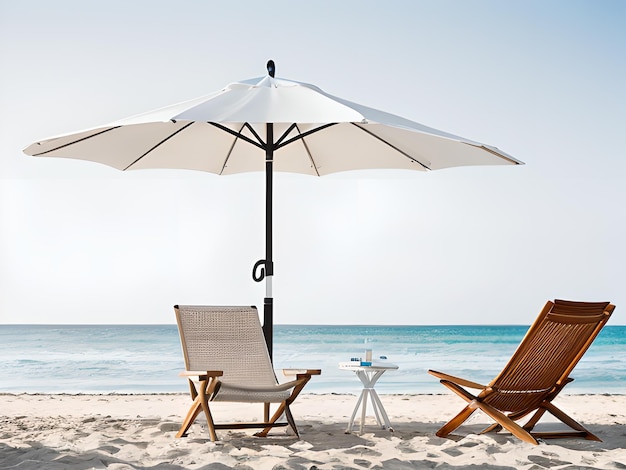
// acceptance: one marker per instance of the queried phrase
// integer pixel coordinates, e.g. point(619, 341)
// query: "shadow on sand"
point(410, 446)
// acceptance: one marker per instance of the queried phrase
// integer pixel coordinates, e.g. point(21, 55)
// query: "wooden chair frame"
point(535, 374)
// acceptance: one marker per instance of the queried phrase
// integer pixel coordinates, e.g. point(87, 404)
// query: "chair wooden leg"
point(192, 414)
point(474, 403)
point(569, 421)
point(266, 412)
point(579, 429)
point(277, 414)
point(465, 412)
point(495, 427)
point(534, 419)
point(502, 421)
point(507, 423)
point(290, 420)
point(456, 421)
point(204, 400)
point(284, 407)
point(200, 403)
point(192, 389)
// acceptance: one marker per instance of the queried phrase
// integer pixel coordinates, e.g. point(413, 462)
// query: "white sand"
point(119, 432)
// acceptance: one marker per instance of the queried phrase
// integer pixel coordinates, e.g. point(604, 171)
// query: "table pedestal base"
point(369, 379)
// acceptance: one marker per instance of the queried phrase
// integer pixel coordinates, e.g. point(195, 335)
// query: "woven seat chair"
point(225, 352)
point(535, 374)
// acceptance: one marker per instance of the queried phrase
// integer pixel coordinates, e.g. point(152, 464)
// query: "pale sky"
point(544, 81)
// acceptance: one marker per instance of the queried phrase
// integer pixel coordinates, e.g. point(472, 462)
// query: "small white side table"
point(369, 375)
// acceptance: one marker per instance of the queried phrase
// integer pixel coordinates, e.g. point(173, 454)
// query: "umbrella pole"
point(265, 267)
point(268, 302)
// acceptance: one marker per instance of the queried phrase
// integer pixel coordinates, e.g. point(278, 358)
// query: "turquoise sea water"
point(148, 358)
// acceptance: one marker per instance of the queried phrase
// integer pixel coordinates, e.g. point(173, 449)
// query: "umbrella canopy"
point(225, 132)
point(273, 124)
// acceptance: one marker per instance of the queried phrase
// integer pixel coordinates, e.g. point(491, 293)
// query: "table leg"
point(376, 405)
point(356, 408)
point(382, 411)
point(363, 410)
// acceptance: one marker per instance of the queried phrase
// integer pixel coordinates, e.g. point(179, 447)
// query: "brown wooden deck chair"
point(537, 372)
point(225, 350)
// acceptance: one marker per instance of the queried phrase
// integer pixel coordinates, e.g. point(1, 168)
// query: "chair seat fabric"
point(250, 394)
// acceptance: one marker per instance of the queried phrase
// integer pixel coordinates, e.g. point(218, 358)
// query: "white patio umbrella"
point(275, 124)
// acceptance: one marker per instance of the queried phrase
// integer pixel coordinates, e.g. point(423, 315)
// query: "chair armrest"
point(456, 380)
point(296, 372)
point(202, 374)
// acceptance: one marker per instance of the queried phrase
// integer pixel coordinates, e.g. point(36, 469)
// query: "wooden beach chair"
point(226, 353)
point(535, 374)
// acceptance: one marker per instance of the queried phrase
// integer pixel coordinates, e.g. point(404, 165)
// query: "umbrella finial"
point(271, 68)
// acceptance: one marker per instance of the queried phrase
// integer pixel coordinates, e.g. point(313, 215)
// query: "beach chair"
point(225, 352)
point(535, 374)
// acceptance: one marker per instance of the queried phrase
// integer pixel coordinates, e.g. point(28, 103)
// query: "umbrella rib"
point(391, 145)
point(306, 147)
point(285, 134)
point(303, 135)
point(239, 135)
point(76, 141)
point(159, 144)
point(232, 146)
point(494, 152)
point(254, 133)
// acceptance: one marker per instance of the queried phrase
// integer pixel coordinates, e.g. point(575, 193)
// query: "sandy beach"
point(120, 432)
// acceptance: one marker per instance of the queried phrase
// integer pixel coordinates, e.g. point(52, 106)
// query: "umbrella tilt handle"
point(257, 275)
point(261, 275)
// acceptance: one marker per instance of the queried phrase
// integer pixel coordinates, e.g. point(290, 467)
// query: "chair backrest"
point(552, 347)
point(229, 339)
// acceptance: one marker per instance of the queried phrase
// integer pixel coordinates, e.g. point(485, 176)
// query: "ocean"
point(148, 358)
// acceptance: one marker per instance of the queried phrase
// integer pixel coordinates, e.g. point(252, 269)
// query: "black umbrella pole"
point(268, 319)
point(268, 303)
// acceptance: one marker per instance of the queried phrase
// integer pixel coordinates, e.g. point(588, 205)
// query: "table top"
point(376, 365)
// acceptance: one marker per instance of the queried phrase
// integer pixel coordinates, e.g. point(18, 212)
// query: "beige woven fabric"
point(230, 339)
